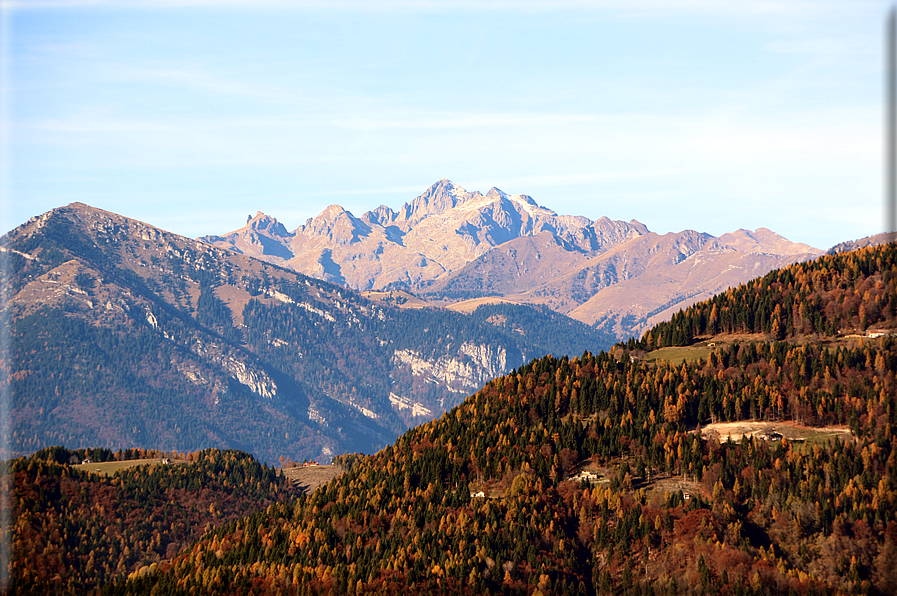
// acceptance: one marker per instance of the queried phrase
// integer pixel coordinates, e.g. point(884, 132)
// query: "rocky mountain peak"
point(382, 216)
point(528, 200)
point(440, 197)
point(336, 225)
point(261, 222)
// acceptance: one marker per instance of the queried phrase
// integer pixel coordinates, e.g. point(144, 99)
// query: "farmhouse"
point(874, 333)
point(585, 475)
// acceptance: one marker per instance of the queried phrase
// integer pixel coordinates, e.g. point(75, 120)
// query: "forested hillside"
point(73, 530)
point(483, 500)
point(846, 292)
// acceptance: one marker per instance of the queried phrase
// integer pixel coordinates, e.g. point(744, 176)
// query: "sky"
point(190, 115)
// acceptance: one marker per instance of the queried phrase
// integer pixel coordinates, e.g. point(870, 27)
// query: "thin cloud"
point(371, 191)
point(465, 120)
point(579, 178)
point(195, 79)
point(856, 45)
point(88, 125)
point(629, 6)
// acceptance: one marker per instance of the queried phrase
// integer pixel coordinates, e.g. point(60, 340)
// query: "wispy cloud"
point(368, 191)
point(448, 120)
point(862, 46)
point(88, 125)
point(664, 144)
point(659, 6)
point(196, 79)
point(543, 181)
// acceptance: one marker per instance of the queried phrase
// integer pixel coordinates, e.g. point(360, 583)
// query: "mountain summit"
point(435, 234)
point(450, 245)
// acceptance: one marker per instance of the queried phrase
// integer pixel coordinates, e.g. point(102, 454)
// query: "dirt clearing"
point(772, 431)
point(308, 478)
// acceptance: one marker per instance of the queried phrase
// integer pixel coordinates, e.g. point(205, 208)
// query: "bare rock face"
point(450, 245)
point(263, 236)
point(262, 222)
point(439, 232)
point(464, 372)
point(336, 226)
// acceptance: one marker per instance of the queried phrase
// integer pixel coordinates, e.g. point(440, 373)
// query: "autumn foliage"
point(753, 517)
point(779, 516)
point(74, 530)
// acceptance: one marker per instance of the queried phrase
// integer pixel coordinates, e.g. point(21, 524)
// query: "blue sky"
point(683, 114)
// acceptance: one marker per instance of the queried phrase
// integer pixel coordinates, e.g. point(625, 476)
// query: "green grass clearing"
point(107, 468)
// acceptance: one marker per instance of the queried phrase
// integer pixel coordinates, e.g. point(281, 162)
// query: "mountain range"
point(450, 245)
point(124, 335)
point(607, 472)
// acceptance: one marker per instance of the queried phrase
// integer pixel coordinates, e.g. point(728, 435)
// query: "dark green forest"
point(544, 327)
